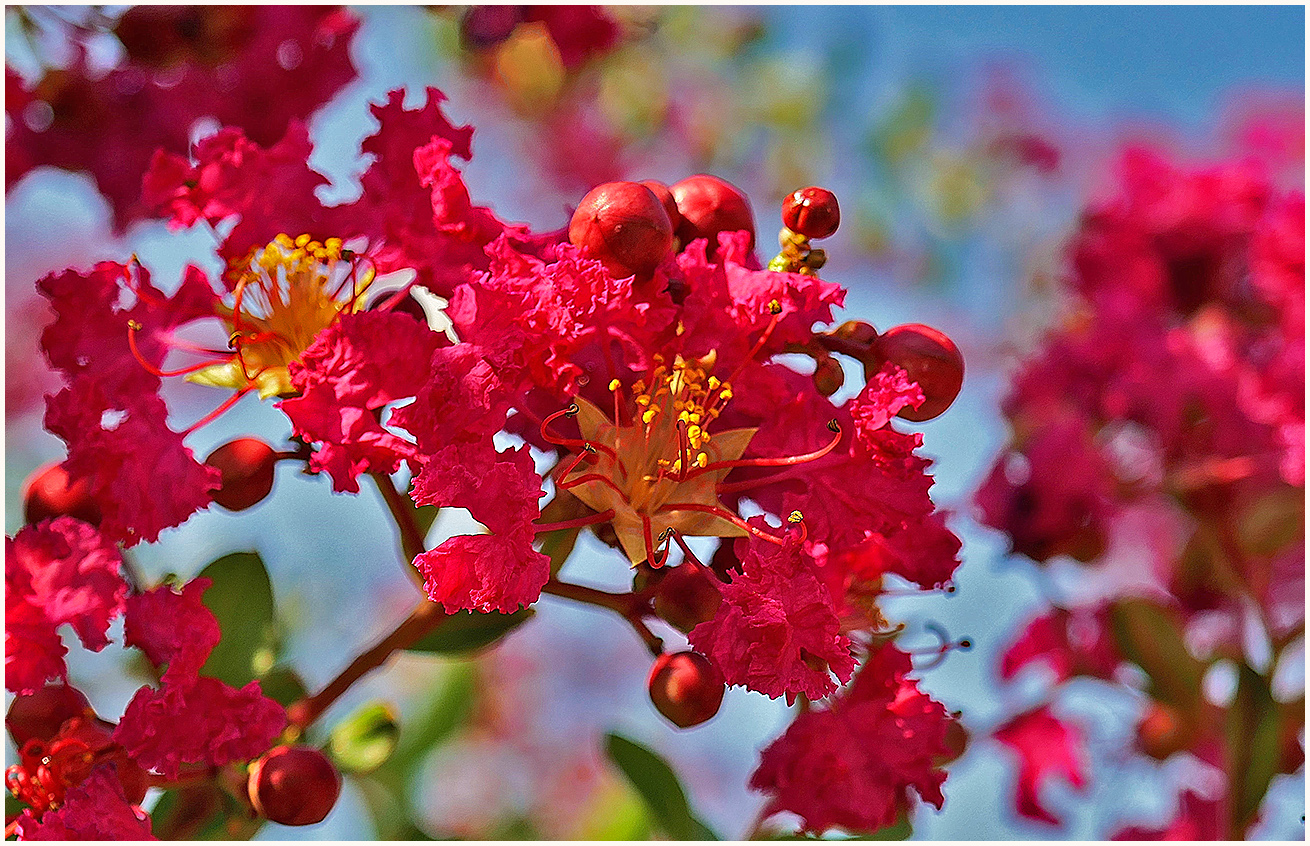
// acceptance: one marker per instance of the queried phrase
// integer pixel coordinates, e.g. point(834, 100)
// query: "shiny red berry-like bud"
point(709, 205)
point(661, 191)
point(931, 359)
point(687, 596)
point(686, 688)
point(50, 493)
point(828, 376)
point(624, 226)
point(294, 785)
point(487, 26)
point(246, 469)
point(811, 212)
point(38, 716)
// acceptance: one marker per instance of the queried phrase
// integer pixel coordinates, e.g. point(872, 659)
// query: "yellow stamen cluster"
point(692, 397)
point(285, 293)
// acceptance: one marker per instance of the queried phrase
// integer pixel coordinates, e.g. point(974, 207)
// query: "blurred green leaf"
point(387, 788)
point(467, 631)
point(1254, 734)
point(1150, 634)
point(659, 787)
point(283, 685)
point(617, 813)
point(203, 812)
point(242, 600)
point(424, 517)
point(363, 741)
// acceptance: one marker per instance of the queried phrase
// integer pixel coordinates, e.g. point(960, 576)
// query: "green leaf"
point(1150, 634)
point(659, 787)
point(424, 517)
point(242, 600)
point(1255, 736)
point(283, 685)
point(364, 741)
point(466, 631)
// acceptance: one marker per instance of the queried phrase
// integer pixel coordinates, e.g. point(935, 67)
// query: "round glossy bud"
point(624, 226)
point(686, 597)
point(931, 359)
point(246, 469)
point(294, 785)
point(828, 376)
point(856, 332)
point(708, 205)
point(487, 26)
point(660, 190)
point(811, 212)
point(38, 716)
point(48, 493)
point(956, 741)
point(686, 688)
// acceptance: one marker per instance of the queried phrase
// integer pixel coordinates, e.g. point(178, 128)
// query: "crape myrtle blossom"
point(655, 394)
point(81, 777)
point(1162, 425)
point(253, 67)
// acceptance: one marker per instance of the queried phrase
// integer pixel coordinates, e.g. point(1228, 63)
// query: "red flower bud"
point(811, 212)
point(246, 467)
point(487, 26)
point(708, 206)
point(48, 493)
point(856, 332)
point(828, 376)
point(931, 359)
point(294, 785)
point(686, 688)
point(624, 226)
point(687, 596)
point(38, 716)
point(660, 190)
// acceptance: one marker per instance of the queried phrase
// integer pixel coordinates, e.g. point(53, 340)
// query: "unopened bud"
point(294, 785)
point(828, 376)
point(686, 688)
point(687, 596)
point(811, 212)
point(245, 467)
point(623, 225)
point(709, 205)
point(931, 359)
point(50, 493)
point(38, 716)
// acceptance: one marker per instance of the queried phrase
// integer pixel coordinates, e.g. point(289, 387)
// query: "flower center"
point(286, 293)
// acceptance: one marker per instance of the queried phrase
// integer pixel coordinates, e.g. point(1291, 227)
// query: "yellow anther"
point(702, 459)
point(725, 394)
point(302, 240)
point(284, 240)
point(614, 384)
point(694, 417)
point(643, 400)
point(333, 245)
point(775, 307)
point(693, 432)
point(649, 414)
point(794, 517)
point(134, 325)
point(713, 382)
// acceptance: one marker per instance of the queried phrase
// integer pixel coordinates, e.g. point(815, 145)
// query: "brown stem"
point(412, 542)
point(423, 620)
point(630, 607)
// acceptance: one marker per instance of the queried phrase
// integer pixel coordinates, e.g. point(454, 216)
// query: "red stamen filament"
point(217, 412)
point(787, 461)
point(132, 328)
point(590, 477)
point(726, 515)
point(589, 520)
point(571, 443)
point(650, 546)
